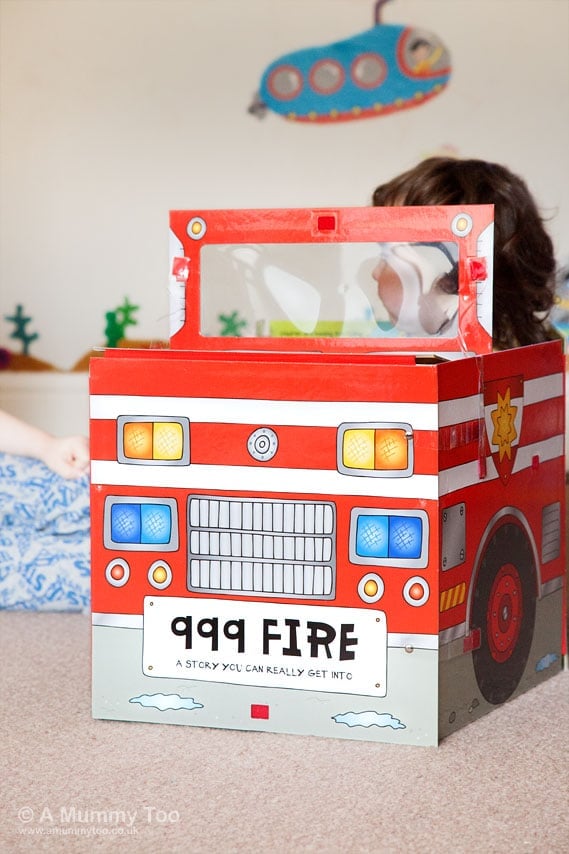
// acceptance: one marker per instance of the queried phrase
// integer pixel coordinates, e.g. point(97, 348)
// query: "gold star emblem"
point(503, 418)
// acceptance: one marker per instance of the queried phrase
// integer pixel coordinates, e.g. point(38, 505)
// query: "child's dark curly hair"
point(524, 263)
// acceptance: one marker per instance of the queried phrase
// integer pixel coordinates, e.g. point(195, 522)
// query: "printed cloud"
point(367, 719)
point(165, 702)
point(546, 661)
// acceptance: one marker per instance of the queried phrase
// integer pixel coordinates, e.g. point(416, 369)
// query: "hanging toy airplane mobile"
point(389, 67)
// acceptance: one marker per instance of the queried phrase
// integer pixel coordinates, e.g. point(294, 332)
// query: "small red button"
point(477, 269)
point(260, 711)
point(326, 222)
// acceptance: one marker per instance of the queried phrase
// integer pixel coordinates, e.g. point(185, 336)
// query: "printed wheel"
point(503, 610)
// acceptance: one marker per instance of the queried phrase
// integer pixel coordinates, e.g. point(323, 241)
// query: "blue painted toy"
point(386, 68)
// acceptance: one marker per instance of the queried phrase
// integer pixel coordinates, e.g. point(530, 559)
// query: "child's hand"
point(68, 457)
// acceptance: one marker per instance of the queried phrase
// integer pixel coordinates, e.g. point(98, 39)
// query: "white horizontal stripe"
point(460, 409)
point(119, 621)
point(455, 632)
point(266, 480)
point(395, 639)
point(543, 388)
point(466, 475)
point(549, 449)
point(469, 408)
point(552, 586)
point(422, 416)
point(278, 480)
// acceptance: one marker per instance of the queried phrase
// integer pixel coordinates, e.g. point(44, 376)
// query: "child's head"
point(524, 263)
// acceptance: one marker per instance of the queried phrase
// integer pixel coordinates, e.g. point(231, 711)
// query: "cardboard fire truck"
point(329, 508)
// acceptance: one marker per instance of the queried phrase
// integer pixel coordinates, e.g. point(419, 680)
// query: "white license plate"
point(309, 647)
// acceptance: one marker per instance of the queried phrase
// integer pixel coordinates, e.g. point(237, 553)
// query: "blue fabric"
point(44, 538)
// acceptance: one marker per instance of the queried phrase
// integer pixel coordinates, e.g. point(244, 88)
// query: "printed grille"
point(262, 548)
point(551, 532)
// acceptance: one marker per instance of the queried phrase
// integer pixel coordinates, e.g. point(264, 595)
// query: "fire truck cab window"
point(342, 290)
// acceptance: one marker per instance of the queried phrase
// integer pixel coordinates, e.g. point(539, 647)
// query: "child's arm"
point(68, 456)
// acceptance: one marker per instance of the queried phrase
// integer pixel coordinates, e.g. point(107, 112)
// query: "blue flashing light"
point(405, 537)
point(386, 536)
point(125, 523)
point(372, 536)
point(149, 524)
point(156, 522)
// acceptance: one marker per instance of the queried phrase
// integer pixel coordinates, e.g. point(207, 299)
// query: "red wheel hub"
point(504, 616)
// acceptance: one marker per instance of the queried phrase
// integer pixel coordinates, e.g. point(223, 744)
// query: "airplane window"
point(285, 82)
point(327, 76)
point(368, 70)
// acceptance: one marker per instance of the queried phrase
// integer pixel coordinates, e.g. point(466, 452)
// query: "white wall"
point(115, 111)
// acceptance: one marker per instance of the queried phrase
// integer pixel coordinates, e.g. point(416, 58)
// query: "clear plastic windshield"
point(342, 290)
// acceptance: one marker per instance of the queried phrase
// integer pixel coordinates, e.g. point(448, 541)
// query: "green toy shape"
point(231, 324)
point(21, 321)
point(118, 320)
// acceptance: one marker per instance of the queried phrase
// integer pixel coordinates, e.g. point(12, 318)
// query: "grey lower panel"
point(407, 715)
point(426, 699)
point(460, 698)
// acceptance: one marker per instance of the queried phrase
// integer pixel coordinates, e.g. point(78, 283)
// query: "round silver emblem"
point(262, 444)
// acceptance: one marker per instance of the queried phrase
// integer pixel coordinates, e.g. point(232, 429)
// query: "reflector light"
point(416, 591)
point(380, 450)
point(196, 228)
point(461, 225)
point(149, 440)
point(160, 575)
point(168, 441)
point(137, 441)
point(358, 450)
point(153, 440)
point(371, 588)
point(117, 572)
point(391, 449)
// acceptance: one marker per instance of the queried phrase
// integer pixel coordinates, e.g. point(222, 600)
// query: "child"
point(44, 519)
point(417, 285)
point(524, 264)
point(68, 457)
